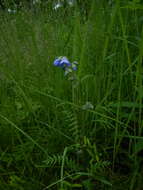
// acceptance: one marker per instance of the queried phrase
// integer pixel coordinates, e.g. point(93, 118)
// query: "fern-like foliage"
point(72, 123)
point(56, 161)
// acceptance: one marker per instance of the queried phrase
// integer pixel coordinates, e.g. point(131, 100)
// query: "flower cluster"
point(65, 64)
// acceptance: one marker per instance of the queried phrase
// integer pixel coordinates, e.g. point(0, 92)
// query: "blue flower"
point(57, 62)
point(68, 67)
point(62, 62)
point(65, 62)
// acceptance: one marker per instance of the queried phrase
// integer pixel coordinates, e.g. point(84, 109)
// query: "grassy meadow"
point(62, 134)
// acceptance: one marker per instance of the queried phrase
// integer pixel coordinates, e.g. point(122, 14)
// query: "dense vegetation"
point(85, 133)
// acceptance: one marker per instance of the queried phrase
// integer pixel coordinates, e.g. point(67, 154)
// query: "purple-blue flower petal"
point(57, 62)
point(65, 62)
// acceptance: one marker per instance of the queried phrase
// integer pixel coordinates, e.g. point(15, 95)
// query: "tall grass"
point(49, 138)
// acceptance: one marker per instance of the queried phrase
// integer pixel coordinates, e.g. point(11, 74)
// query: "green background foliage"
point(47, 139)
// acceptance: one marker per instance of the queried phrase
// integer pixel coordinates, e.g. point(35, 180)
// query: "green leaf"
point(126, 104)
point(77, 185)
point(138, 147)
point(102, 180)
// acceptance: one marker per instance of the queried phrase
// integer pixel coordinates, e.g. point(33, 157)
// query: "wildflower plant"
point(68, 67)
